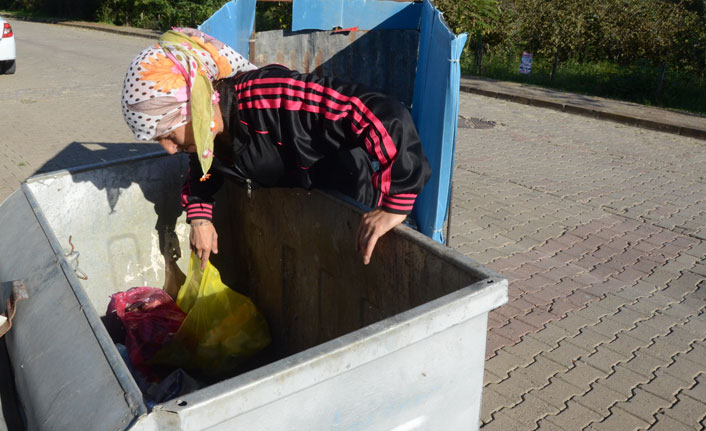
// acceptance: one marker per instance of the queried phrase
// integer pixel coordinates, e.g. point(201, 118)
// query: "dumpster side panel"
point(232, 24)
point(63, 378)
point(435, 112)
point(366, 15)
point(117, 219)
point(301, 266)
point(382, 60)
point(421, 371)
point(434, 384)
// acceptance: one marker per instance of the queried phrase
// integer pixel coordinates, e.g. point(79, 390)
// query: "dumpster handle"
point(72, 257)
point(19, 292)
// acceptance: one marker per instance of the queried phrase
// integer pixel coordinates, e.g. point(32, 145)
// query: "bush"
point(157, 14)
point(635, 82)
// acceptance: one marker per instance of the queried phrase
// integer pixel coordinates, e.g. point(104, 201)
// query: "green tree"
point(475, 17)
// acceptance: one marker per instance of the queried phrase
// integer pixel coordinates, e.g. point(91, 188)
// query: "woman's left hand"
point(375, 224)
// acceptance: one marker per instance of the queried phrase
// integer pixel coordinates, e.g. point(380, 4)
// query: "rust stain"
point(318, 61)
point(307, 62)
point(293, 61)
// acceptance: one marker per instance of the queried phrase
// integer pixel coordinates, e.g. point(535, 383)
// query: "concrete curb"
point(127, 31)
point(600, 114)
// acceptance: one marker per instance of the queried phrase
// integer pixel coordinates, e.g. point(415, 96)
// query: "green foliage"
point(157, 14)
point(622, 31)
point(273, 16)
point(82, 9)
point(635, 82)
point(470, 16)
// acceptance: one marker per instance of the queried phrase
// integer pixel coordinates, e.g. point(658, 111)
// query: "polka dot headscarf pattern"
point(167, 81)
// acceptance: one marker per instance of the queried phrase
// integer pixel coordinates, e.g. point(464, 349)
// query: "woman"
point(272, 127)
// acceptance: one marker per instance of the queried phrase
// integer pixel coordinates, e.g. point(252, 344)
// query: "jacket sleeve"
point(404, 169)
point(196, 195)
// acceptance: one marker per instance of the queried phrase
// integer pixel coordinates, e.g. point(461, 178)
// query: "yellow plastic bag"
point(222, 328)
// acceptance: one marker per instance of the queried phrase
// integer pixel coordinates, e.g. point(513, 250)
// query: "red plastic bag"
point(150, 318)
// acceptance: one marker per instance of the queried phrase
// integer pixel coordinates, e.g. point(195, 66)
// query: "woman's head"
point(168, 85)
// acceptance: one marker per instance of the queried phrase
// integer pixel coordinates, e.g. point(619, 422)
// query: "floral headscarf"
point(170, 83)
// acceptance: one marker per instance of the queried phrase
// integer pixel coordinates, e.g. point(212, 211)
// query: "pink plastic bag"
point(150, 318)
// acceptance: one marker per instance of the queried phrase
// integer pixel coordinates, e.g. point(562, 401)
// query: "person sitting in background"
point(272, 127)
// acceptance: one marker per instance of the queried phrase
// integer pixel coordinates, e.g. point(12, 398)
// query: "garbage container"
point(398, 344)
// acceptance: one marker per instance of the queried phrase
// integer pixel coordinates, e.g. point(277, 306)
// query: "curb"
point(125, 31)
point(599, 114)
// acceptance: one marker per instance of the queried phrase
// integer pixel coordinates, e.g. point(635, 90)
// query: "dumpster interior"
point(291, 251)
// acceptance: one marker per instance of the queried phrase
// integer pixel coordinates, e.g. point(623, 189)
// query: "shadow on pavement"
point(79, 154)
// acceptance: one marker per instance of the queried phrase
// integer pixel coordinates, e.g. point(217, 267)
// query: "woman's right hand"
point(204, 240)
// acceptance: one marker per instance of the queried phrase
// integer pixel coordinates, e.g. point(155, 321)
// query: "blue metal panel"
point(435, 112)
point(436, 88)
point(233, 25)
point(364, 14)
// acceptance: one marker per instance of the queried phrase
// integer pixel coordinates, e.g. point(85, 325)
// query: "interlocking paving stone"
point(557, 393)
point(687, 410)
point(643, 405)
point(581, 375)
point(492, 402)
point(528, 351)
point(551, 335)
point(619, 420)
point(625, 345)
point(622, 380)
point(666, 423)
point(530, 410)
point(574, 417)
point(503, 362)
point(684, 368)
point(573, 323)
point(489, 377)
point(587, 339)
point(605, 359)
point(567, 353)
point(665, 386)
point(644, 364)
point(600, 399)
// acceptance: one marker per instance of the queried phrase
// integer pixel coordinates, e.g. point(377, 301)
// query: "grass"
point(634, 83)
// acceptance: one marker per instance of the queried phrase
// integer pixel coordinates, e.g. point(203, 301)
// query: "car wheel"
point(9, 67)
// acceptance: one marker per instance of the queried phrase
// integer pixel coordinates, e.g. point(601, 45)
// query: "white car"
point(7, 48)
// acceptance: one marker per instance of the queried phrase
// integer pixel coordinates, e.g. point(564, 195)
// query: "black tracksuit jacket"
point(287, 129)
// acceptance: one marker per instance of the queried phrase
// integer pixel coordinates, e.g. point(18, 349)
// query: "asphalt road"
point(62, 106)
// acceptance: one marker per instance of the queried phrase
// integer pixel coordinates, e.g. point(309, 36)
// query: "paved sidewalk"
point(601, 230)
point(596, 107)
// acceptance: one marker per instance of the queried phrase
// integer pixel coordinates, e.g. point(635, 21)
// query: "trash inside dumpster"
point(400, 341)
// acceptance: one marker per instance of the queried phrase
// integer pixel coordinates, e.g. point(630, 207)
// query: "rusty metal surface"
point(384, 60)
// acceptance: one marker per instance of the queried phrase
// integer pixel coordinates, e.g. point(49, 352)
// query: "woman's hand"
point(375, 224)
point(204, 240)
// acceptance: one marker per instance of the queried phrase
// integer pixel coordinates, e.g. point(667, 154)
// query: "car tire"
point(9, 67)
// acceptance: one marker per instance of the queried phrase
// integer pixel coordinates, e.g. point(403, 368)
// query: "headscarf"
point(171, 83)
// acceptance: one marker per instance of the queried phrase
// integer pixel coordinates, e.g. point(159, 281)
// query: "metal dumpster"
point(395, 345)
